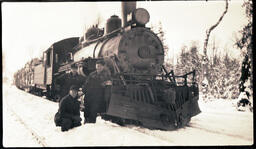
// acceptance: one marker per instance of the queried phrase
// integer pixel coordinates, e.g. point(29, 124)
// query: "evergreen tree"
point(224, 72)
point(188, 61)
point(245, 44)
point(161, 34)
point(245, 74)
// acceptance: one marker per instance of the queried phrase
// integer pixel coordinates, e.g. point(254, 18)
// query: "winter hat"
point(100, 61)
point(74, 87)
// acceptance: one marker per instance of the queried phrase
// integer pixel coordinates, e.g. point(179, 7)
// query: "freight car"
point(39, 74)
point(143, 91)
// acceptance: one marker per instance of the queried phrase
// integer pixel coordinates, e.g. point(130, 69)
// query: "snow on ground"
point(218, 124)
point(38, 113)
point(11, 126)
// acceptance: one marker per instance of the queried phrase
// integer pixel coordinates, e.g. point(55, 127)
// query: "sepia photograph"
point(127, 73)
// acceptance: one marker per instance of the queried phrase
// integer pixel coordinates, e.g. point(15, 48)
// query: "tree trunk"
point(205, 59)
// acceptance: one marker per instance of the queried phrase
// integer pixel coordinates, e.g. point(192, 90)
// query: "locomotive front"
point(138, 50)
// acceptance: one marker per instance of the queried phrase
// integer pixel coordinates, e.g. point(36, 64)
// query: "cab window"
point(48, 59)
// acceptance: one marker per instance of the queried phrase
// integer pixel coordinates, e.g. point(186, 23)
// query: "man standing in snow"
point(69, 110)
point(96, 88)
point(64, 81)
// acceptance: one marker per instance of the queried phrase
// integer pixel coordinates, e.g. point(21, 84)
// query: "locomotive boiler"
point(137, 49)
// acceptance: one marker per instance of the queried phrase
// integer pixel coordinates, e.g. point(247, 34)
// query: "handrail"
point(113, 59)
point(168, 74)
point(158, 75)
point(152, 77)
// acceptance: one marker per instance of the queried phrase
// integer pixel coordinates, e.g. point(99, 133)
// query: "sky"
point(29, 28)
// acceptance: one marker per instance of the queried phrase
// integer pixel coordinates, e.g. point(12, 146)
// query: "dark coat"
point(95, 80)
point(94, 90)
point(69, 107)
point(65, 81)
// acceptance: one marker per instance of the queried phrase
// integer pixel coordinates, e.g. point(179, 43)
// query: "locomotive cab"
point(55, 60)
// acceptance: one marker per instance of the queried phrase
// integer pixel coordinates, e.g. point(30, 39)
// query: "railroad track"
point(33, 133)
point(217, 132)
point(154, 135)
point(190, 126)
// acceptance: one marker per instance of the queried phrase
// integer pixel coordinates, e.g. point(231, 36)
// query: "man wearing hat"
point(69, 110)
point(64, 81)
point(96, 89)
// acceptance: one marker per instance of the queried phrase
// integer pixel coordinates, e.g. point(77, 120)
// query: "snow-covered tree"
point(189, 60)
point(161, 35)
point(231, 74)
point(224, 72)
point(205, 61)
point(245, 44)
point(158, 29)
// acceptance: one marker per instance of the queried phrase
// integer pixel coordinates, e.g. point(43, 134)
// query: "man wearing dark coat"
point(64, 81)
point(69, 110)
point(96, 89)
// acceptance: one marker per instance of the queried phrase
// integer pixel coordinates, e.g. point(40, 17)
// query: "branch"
point(211, 28)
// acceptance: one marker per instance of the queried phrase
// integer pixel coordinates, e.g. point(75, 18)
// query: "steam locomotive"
point(143, 91)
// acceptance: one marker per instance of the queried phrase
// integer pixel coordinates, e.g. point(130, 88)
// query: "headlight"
point(141, 16)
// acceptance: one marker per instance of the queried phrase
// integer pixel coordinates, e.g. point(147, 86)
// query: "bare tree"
point(208, 32)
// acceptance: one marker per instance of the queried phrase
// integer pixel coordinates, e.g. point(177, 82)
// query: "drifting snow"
point(218, 124)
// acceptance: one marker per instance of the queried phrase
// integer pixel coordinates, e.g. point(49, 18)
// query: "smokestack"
point(127, 7)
